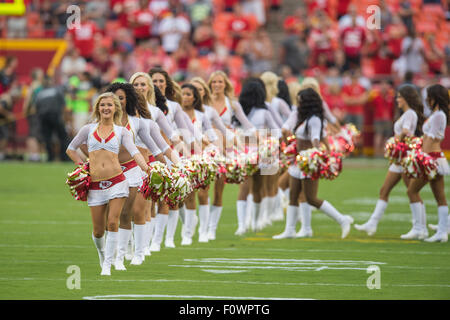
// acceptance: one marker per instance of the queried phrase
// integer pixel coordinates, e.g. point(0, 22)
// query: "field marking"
point(43, 246)
point(223, 271)
point(115, 296)
point(282, 261)
point(392, 200)
point(320, 284)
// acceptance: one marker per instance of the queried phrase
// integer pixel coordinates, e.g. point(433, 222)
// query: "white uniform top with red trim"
point(407, 121)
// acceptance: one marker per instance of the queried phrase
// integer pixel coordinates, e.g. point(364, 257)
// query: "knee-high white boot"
point(110, 249)
point(214, 217)
point(371, 225)
point(441, 234)
point(172, 222)
point(100, 245)
point(416, 230)
point(203, 214)
point(241, 210)
point(124, 236)
point(344, 221)
point(291, 221)
point(139, 244)
point(305, 211)
point(160, 226)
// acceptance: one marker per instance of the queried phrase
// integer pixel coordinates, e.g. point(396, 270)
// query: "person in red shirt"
point(141, 21)
point(381, 99)
point(238, 25)
point(355, 97)
point(353, 39)
point(85, 37)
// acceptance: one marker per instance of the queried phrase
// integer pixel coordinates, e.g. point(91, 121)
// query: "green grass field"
point(43, 231)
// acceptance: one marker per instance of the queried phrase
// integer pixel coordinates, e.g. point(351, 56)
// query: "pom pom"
point(395, 150)
point(344, 141)
point(79, 181)
point(418, 164)
point(317, 164)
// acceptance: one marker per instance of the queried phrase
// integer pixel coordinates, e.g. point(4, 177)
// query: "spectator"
point(204, 37)
point(380, 53)
point(434, 56)
point(321, 40)
point(354, 96)
point(342, 8)
point(237, 27)
point(199, 11)
point(412, 55)
point(97, 11)
point(353, 40)
point(8, 73)
point(171, 29)
point(17, 27)
point(85, 36)
point(382, 101)
point(7, 118)
point(34, 138)
point(72, 64)
point(294, 52)
point(406, 13)
point(141, 21)
point(50, 107)
point(352, 14)
point(256, 8)
point(257, 52)
point(185, 52)
point(78, 100)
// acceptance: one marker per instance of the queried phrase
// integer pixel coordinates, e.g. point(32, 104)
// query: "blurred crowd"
point(358, 67)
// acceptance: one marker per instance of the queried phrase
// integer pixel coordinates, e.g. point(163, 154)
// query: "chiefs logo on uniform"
point(105, 184)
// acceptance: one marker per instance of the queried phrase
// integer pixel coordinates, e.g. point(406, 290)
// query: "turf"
point(43, 231)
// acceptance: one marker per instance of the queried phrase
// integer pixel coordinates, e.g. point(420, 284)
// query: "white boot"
point(248, 212)
point(423, 222)
point(130, 247)
point(139, 244)
point(344, 221)
point(416, 231)
point(371, 225)
point(278, 214)
point(214, 218)
point(110, 248)
point(100, 245)
point(203, 214)
point(441, 234)
point(291, 221)
point(285, 201)
point(189, 219)
point(160, 226)
point(124, 236)
point(149, 228)
point(305, 211)
point(241, 210)
point(172, 222)
point(256, 212)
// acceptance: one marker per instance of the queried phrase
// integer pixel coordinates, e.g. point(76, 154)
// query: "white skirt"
point(134, 177)
point(101, 197)
point(442, 166)
point(396, 168)
point(295, 172)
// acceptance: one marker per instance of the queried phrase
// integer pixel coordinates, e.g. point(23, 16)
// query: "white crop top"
point(263, 119)
point(88, 134)
point(202, 125)
point(141, 134)
point(314, 126)
point(407, 121)
point(435, 125)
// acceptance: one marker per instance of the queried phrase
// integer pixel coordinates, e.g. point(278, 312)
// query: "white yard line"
point(116, 296)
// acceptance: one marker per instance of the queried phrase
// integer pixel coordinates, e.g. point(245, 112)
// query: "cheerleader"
point(109, 188)
point(136, 119)
point(409, 124)
point(143, 83)
point(223, 102)
point(333, 126)
point(192, 106)
point(309, 132)
point(433, 133)
point(278, 107)
point(252, 99)
point(171, 91)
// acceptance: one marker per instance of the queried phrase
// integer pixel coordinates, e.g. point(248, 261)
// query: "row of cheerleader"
point(153, 148)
